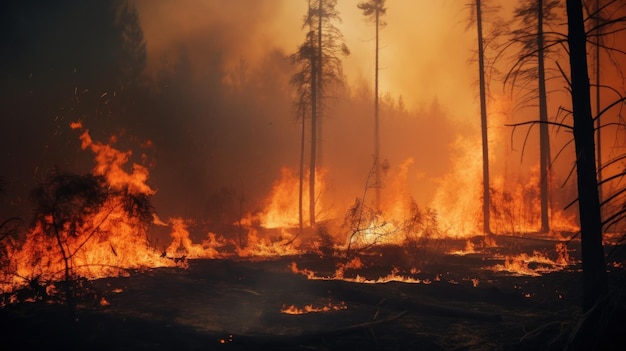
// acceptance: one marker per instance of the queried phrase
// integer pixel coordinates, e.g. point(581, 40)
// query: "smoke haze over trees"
point(202, 97)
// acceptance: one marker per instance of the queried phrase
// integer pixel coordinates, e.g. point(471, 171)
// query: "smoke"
point(237, 128)
point(215, 108)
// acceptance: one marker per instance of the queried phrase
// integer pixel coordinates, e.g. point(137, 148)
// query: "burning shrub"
point(365, 226)
point(421, 231)
point(72, 210)
point(326, 243)
point(406, 225)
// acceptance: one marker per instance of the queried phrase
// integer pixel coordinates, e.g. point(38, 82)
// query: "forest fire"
point(110, 238)
point(95, 234)
point(201, 175)
point(282, 208)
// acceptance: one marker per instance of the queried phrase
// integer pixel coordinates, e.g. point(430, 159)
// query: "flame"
point(120, 241)
point(458, 196)
point(393, 276)
point(110, 163)
point(519, 209)
point(520, 264)
point(292, 309)
point(471, 248)
point(115, 242)
point(282, 206)
point(259, 246)
point(182, 246)
point(515, 205)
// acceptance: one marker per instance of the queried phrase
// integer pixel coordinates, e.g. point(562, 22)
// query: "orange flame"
point(116, 242)
point(339, 275)
point(282, 209)
point(459, 193)
point(292, 309)
point(520, 264)
point(182, 246)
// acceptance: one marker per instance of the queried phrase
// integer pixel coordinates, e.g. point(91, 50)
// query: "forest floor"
point(454, 302)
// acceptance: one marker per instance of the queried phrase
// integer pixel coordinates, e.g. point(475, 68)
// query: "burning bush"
point(409, 226)
point(88, 226)
point(73, 234)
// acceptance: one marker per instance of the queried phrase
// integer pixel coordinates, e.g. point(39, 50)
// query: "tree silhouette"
point(534, 46)
point(594, 277)
point(374, 10)
point(61, 61)
point(483, 119)
point(320, 69)
point(604, 19)
point(485, 40)
point(305, 82)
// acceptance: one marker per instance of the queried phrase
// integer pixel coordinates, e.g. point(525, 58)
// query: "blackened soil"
point(459, 304)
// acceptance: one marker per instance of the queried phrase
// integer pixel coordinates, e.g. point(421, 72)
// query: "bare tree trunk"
point(594, 277)
point(377, 123)
point(544, 139)
point(301, 185)
point(316, 67)
point(483, 121)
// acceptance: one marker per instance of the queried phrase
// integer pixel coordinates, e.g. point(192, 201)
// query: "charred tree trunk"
point(594, 281)
point(301, 185)
point(483, 121)
point(598, 129)
point(544, 139)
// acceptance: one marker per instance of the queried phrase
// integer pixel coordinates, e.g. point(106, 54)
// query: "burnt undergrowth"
point(453, 302)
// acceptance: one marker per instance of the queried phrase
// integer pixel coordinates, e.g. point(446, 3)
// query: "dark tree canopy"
point(61, 61)
point(88, 44)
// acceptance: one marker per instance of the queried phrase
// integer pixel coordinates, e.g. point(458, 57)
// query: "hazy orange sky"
point(425, 49)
